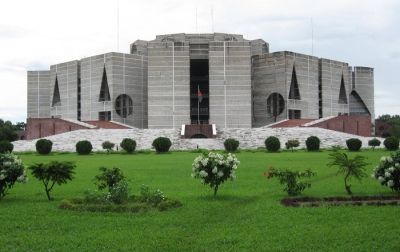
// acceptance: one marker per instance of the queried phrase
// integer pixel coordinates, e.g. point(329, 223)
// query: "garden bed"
point(342, 201)
point(133, 205)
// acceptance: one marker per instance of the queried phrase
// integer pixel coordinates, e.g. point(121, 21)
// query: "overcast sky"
point(37, 34)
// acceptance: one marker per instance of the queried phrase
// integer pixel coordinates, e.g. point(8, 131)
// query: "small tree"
point(272, 144)
point(53, 173)
point(84, 147)
point(44, 146)
point(291, 144)
point(353, 144)
point(312, 143)
point(162, 144)
point(108, 146)
point(231, 145)
point(11, 171)
point(291, 180)
point(374, 143)
point(391, 143)
point(214, 169)
point(108, 178)
point(350, 167)
point(129, 145)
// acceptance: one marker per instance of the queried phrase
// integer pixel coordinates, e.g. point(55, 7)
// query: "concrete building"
point(200, 79)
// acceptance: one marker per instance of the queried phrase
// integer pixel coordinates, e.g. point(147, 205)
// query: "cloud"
point(45, 32)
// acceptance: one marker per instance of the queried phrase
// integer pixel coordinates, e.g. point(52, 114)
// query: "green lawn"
point(246, 214)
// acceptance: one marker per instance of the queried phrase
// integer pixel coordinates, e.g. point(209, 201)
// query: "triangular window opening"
point(342, 93)
point(294, 92)
point(104, 90)
point(56, 94)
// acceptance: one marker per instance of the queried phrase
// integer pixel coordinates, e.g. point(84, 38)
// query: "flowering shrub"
point(388, 172)
point(148, 196)
point(119, 193)
point(214, 169)
point(292, 143)
point(11, 171)
point(291, 180)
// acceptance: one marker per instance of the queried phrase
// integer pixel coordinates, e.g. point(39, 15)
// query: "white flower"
point(204, 161)
point(391, 169)
point(397, 165)
point(233, 176)
point(234, 167)
point(215, 170)
point(21, 178)
point(220, 174)
point(389, 159)
point(8, 163)
point(202, 181)
point(381, 179)
point(387, 174)
point(203, 174)
point(2, 177)
point(390, 183)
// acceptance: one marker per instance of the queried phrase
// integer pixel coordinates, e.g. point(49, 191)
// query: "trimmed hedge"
point(354, 144)
point(313, 143)
point(374, 143)
point(391, 143)
point(6, 146)
point(162, 144)
point(128, 144)
point(44, 146)
point(84, 147)
point(231, 145)
point(272, 144)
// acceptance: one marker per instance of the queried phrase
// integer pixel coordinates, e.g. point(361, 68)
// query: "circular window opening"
point(123, 105)
point(275, 104)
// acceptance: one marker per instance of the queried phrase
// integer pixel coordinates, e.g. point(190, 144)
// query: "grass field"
point(246, 214)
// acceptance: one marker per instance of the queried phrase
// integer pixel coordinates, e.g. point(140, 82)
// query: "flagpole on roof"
point(198, 105)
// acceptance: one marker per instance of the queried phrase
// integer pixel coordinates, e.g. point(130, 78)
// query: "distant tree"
point(7, 131)
point(394, 121)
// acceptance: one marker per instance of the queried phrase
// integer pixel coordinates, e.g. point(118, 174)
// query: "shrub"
point(119, 193)
point(107, 145)
point(214, 169)
point(291, 180)
point(354, 144)
point(312, 143)
point(272, 144)
point(291, 144)
point(391, 143)
point(162, 144)
point(6, 146)
point(53, 173)
point(11, 171)
point(350, 167)
point(84, 147)
point(374, 143)
point(129, 145)
point(388, 172)
point(108, 178)
point(43, 146)
point(148, 196)
point(231, 145)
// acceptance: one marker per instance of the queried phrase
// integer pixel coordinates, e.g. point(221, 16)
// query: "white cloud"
point(35, 34)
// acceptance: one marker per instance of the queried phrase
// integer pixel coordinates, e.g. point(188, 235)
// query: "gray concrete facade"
point(38, 94)
point(156, 86)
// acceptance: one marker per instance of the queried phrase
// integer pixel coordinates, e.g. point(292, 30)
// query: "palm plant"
point(350, 167)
